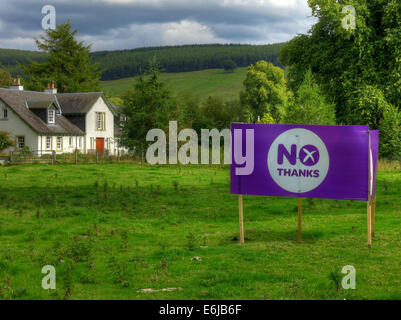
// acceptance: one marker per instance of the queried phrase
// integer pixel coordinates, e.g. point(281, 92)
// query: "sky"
point(127, 24)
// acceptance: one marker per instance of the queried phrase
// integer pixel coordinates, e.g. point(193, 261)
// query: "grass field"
point(111, 230)
point(200, 84)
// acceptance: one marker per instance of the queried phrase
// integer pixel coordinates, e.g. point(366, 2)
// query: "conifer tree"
point(68, 63)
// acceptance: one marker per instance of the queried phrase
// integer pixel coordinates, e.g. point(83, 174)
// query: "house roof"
point(77, 103)
point(20, 102)
point(40, 104)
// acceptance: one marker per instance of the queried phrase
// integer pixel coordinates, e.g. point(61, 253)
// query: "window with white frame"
point(48, 143)
point(51, 116)
point(71, 140)
point(100, 121)
point(59, 143)
point(20, 142)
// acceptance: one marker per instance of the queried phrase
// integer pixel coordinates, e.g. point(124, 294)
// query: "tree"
point(5, 79)
point(265, 91)
point(147, 106)
point(309, 106)
point(229, 65)
point(359, 68)
point(390, 134)
point(68, 63)
point(216, 114)
point(5, 141)
point(343, 60)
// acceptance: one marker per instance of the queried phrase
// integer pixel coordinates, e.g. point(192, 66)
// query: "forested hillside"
point(128, 63)
point(10, 59)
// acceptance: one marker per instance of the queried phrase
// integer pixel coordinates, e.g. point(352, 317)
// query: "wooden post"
point(299, 220)
point(11, 157)
point(373, 215)
point(76, 156)
point(241, 219)
point(369, 204)
point(97, 157)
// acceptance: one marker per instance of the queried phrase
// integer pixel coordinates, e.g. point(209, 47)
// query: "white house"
point(48, 121)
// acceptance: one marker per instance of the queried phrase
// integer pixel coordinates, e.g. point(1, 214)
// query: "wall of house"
point(66, 146)
point(15, 126)
point(91, 127)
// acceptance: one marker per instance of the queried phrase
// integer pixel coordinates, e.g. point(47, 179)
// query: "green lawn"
point(200, 84)
point(111, 230)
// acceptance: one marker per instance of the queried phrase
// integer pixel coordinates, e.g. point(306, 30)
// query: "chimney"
point(52, 89)
point(17, 85)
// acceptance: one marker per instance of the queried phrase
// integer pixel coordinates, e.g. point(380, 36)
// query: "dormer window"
point(51, 116)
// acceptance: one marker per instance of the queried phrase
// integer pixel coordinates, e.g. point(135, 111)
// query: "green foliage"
point(390, 134)
point(147, 106)
point(216, 114)
point(358, 68)
point(68, 63)
point(12, 60)
point(5, 141)
point(267, 119)
point(265, 91)
point(366, 106)
point(229, 65)
point(5, 79)
point(309, 106)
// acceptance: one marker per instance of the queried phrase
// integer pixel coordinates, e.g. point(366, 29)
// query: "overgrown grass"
point(113, 229)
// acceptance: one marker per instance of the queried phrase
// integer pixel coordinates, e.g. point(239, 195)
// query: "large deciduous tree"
point(68, 63)
point(265, 91)
point(359, 68)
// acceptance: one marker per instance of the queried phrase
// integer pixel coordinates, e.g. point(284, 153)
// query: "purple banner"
point(374, 143)
point(330, 162)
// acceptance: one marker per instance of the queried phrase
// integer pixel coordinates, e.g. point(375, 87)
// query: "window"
point(80, 142)
point(71, 141)
point(48, 143)
point(51, 115)
point(59, 143)
point(5, 113)
point(20, 142)
point(100, 121)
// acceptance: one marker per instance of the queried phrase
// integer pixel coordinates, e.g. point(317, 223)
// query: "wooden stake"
point(241, 219)
point(299, 220)
point(373, 215)
point(369, 204)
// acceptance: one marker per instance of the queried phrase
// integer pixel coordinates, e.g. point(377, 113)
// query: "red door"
point(100, 145)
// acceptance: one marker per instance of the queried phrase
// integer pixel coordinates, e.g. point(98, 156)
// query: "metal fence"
point(51, 157)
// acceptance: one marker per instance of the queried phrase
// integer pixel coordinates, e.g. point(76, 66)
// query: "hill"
point(200, 84)
point(128, 63)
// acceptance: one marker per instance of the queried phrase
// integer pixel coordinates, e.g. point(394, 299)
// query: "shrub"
point(390, 134)
point(5, 141)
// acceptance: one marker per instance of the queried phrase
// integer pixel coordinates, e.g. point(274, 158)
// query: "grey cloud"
point(99, 20)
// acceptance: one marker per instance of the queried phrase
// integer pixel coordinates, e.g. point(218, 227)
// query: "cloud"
point(124, 24)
